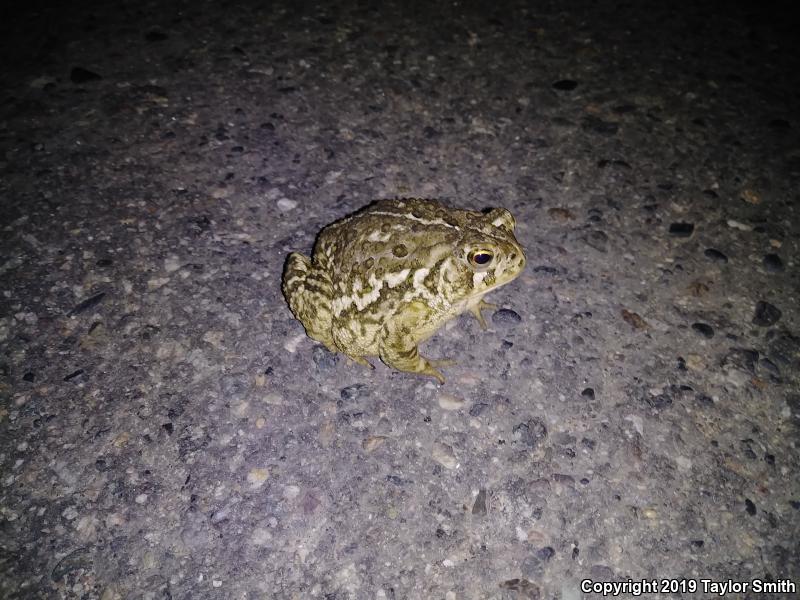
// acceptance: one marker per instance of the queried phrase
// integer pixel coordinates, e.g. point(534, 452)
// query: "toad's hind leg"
point(400, 337)
point(308, 291)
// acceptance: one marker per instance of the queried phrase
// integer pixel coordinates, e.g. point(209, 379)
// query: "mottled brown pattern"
point(387, 277)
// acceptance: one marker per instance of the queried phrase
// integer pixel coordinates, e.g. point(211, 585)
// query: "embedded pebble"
point(149, 560)
point(111, 593)
point(285, 205)
point(172, 263)
point(372, 443)
point(681, 229)
point(525, 589)
point(87, 304)
point(695, 362)
point(155, 36)
point(477, 409)
point(450, 402)
point(716, 255)
point(547, 269)
point(704, 400)
point(506, 316)
point(352, 393)
point(750, 196)
point(565, 85)
point(737, 225)
point(545, 554)
point(80, 75)
point(444, 455)
point(659, 401)
point(531, 432)
point(322, 357)
point(479, 506)
point(327, 433)
point(773, 263)
point(634, 319)
point(79, 559)
point(602, 127)
point(561, 214)
point(750, 507)
point(597, 240)
point(769, 366)
point(257, 477)
point(703, 329)
point(595, 215)
point(766, 314)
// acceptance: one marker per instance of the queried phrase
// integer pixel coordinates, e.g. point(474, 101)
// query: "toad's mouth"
point(481, 288)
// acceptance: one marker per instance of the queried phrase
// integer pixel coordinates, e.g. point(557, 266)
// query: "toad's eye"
point(481, 258)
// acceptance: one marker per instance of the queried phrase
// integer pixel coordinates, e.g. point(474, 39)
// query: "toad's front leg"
point(476, 307)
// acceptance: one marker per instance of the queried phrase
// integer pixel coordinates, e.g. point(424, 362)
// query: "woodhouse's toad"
point(387, 277)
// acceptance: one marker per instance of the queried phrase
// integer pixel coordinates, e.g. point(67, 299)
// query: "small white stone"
point(444, 455)
point(39, 82)
point(449, 402)
point(257, 477)
point(149, 561)
point(261, 536)
point(290, 492)
point(332, 176)
point(285, 205)
point(291, 344)
point(172, 264)
point(262, 70)
point(738, 225)
point(155, 283)
point(28, 318)
point(638, 423)
point(737, 378)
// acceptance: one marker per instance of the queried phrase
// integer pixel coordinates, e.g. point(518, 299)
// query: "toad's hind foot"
point(360, 360)
point(434, 364)
point(410, 361)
